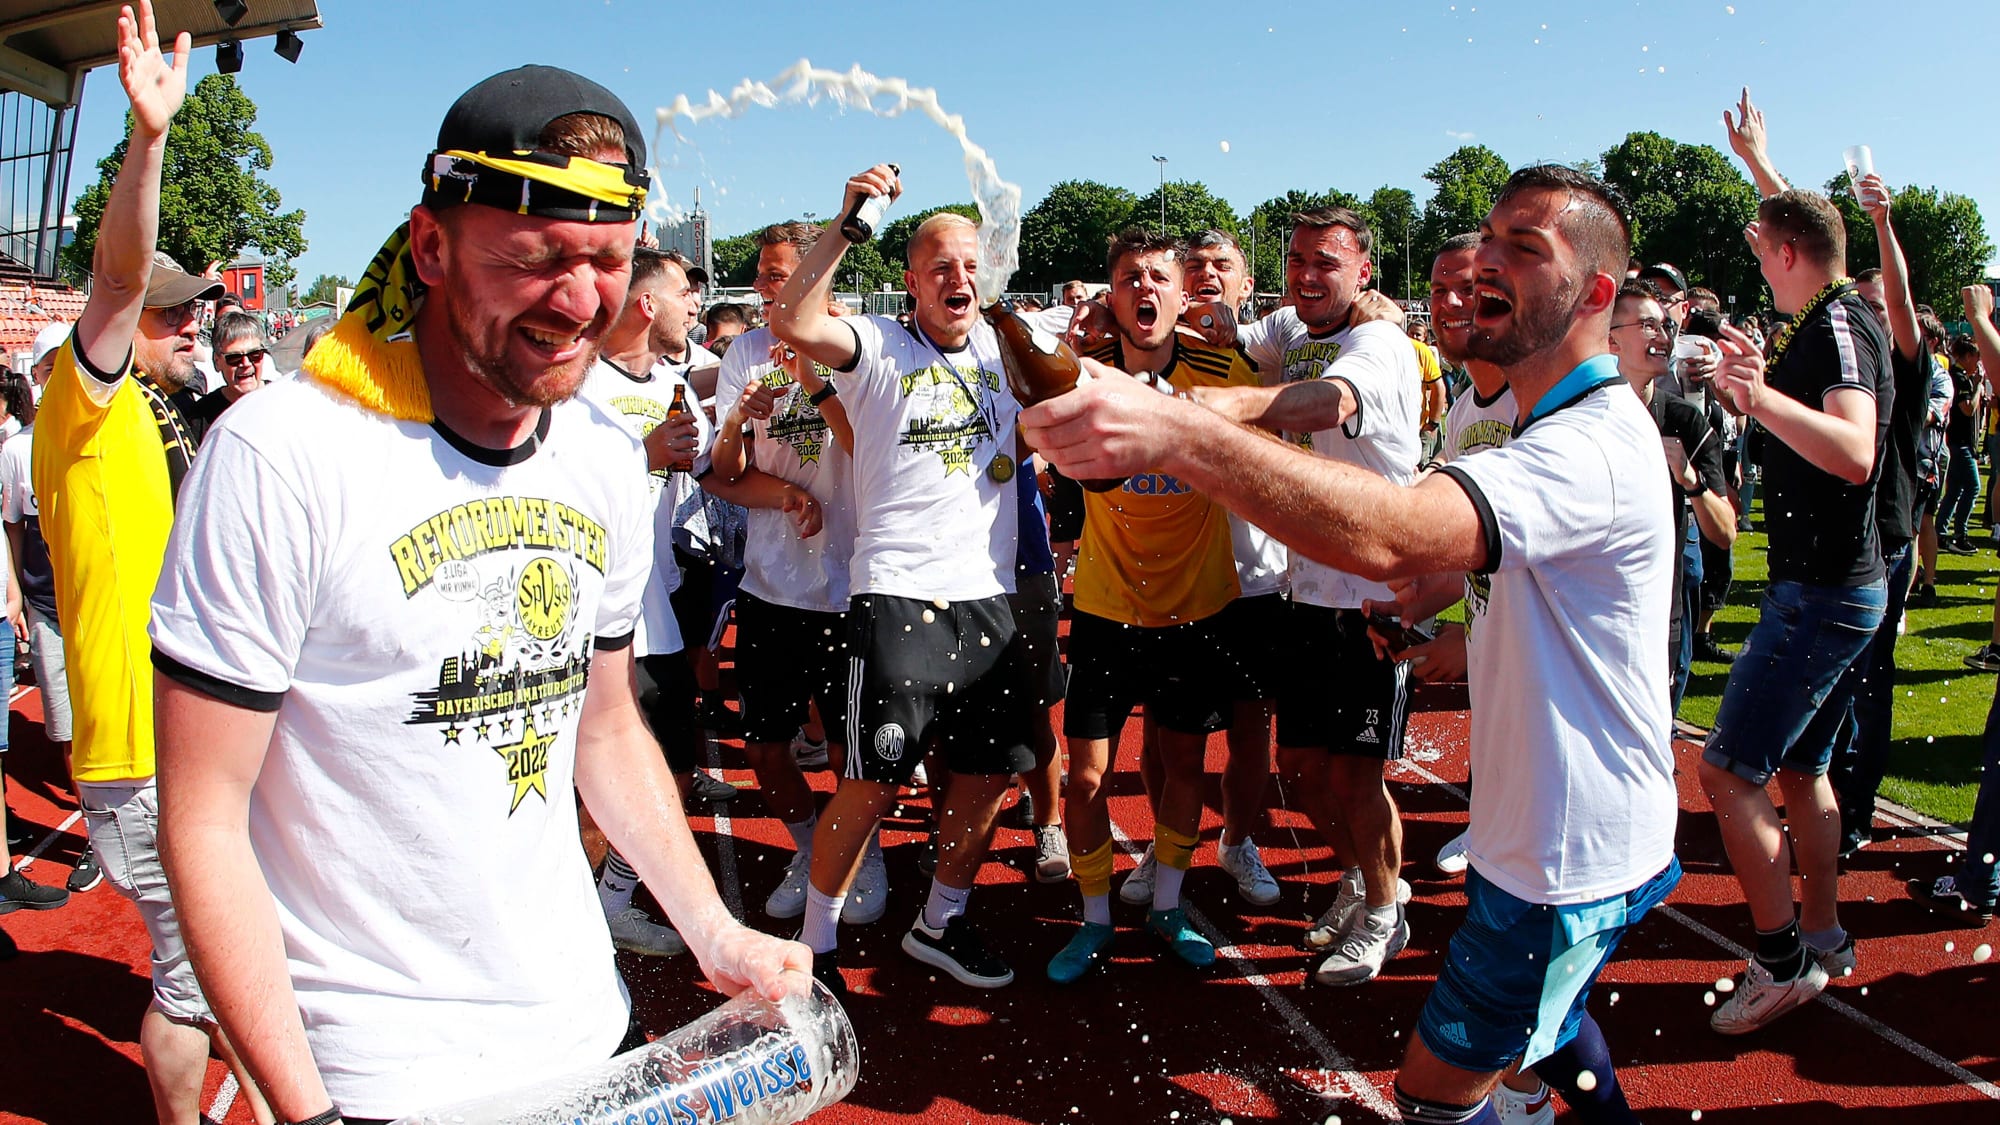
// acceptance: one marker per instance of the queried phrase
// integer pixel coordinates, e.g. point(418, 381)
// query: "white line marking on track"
point(1338, 1066)
point(29, 860)
point(224, 1098)
point(1874, 1026)
point(725, 844)
point(19, 691)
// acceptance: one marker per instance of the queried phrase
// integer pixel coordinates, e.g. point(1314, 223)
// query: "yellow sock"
point(1093, 869)
point(1173, 849)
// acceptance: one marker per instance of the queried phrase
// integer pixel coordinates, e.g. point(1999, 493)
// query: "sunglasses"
point(253, 357)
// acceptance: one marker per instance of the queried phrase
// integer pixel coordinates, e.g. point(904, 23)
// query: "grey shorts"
point(124, 822)
point(51, 674)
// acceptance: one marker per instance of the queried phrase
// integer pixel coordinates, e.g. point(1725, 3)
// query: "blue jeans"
point(1961, 488)
point(1862, 756)
point(1978, 878)
point(1689, 597)
point(1784, 706)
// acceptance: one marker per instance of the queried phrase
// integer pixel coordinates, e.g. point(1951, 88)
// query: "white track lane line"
point(28, 860)
point(1874, 1026)
point(224, 1097)
point(1337, 1065)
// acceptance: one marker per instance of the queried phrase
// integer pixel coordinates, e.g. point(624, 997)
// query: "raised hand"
point(1978, 301)
point(1740, 375)
point(156, 86)
point(1874, 197)
point(1746, 130)
point(804, 510)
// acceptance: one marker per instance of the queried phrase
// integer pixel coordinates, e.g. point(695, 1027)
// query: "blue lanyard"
point(1592, 373)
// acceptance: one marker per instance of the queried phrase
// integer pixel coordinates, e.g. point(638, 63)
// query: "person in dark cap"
point(378, 616)
point(111, 451)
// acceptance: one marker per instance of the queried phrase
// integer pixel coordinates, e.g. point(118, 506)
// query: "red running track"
point(1150, 1040)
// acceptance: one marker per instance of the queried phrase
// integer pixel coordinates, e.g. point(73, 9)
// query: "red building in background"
point(245, 278)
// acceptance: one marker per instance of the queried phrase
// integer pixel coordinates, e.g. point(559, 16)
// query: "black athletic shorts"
point(1037, 604)
point(666, 699)
point(1336, 694)
point(945, 671)
point(786, 659)
point(1170, 670)
point(1250, 658)
point(1065, 508)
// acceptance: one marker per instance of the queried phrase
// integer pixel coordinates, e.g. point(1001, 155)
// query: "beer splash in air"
point(803, 83)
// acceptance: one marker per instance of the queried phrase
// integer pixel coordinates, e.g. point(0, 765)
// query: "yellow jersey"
point(1427, 361)
point(102, 477)
point(1154, 551)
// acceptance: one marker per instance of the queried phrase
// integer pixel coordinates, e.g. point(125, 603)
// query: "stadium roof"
point(45, 45)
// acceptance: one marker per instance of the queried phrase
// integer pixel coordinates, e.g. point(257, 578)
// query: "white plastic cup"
point(1860, 162)
point(748, 1062)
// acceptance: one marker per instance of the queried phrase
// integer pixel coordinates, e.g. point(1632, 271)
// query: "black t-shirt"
point(206, 410)
point(1959, 427)
point(1822, 528)
point(1678, 418)
point(1896, 482)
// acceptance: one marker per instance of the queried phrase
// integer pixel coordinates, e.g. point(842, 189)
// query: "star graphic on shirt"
point(527, 764)
point(451, 735)
point(484, 731)
point(506, 727)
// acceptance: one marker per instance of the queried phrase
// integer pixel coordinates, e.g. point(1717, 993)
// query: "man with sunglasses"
point(240, 349)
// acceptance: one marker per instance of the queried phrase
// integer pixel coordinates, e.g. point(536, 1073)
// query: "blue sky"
point(1307, 95)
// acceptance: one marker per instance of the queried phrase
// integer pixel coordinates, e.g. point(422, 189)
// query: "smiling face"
point(1217, 273)
point(1324, 269)
point(1528, 288)
point(1146, 297)
point(527, 300)
point(940, 278)
point(1452, 275)
point(1639, 339)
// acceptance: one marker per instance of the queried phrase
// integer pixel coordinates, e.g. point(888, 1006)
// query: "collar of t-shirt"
point(498, 458)
point(1592, 373)
point(613, 365)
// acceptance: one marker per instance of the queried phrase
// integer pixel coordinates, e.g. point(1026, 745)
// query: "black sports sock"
point(1781, 952)
point(1604, 1103)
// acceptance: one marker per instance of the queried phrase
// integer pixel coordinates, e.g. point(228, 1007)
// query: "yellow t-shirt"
point(101, 476)
point(1427, 361)
point(1154, 551)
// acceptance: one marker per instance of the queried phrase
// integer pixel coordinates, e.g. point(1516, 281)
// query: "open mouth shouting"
point(958, 303)
point(1146, 314)
point(1490, 304)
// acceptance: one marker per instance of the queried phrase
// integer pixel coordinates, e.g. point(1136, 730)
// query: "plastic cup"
point(1860, 162)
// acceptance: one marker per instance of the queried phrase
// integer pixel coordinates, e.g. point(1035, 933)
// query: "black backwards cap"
point(486, 151)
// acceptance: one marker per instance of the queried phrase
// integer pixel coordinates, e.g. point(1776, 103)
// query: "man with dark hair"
point(394, 640)
point(1961, 488)
point(1824, 399)
point(1349, 392)
point(724, 320)
point(1573, 820)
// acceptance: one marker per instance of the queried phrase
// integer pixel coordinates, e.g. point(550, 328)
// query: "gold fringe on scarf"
point(370, 356)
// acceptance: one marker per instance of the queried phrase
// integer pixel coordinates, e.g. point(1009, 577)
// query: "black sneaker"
point(958, 950)
point(1942, 895)
point(1705, 648)
point(1023, 813)
point(1852, 840)
point(87, 873)
point(1985, 658)
point(18, 892)
point(1959, 546)
point(1924, 596)
point(708, 787)
point(19, 838)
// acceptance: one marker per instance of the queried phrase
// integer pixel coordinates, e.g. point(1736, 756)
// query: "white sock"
point(1385, 915)
point(1097, 909)
point(944, 904)
point(822, 925)
point(1167, 886)
point(802, 833)
point(616, 884)
point(1224, 845)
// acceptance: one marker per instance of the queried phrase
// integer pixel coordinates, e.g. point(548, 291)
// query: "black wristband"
point(824, 393)
point(331, 1116)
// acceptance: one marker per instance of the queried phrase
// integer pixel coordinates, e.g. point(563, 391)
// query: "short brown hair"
point(800, 236)
point(582, 134)
point(1699, 298)
point(1138, 240)
point(1321, 218)
point(1810, 222)
point(1599, 231)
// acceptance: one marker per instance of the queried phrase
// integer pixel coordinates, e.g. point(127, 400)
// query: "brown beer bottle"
point(1039, 366)
point(675, 409)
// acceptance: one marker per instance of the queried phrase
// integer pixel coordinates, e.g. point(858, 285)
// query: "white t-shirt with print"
point(642, 404)
point(794, 444)
point(1377, 361)
point(422, 621)
point(1472, 425)
point(1571, 729)
point(929, 521)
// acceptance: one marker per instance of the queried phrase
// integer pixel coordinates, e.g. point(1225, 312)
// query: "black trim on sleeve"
point(498, 458)
point(612, 644)
point(1355, 420)
point(855, 361)
point(236, 695)
point(84, 365)
point(1489, 525)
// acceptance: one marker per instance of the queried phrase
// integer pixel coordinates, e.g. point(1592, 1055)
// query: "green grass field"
point(1940, 703)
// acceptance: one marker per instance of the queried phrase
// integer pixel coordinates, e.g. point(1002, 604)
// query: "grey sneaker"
point(868, 897)
point(1347, 906)
point(633, 932)
point(1137, 888)
point(788, 899)
point(1369, 943)
point(1245, 865)
point(1052, 855)
point(808, 754)
point(1759, 999)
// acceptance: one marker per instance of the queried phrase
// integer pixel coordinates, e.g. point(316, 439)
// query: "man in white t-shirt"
point(934, 650)
point(389, 583)
point(1348, 392)
point(1573, 821)
point(782, 451)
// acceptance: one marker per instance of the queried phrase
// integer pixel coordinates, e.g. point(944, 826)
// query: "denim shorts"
point(1517, 974)
point(124, 823)
point(1786, 697)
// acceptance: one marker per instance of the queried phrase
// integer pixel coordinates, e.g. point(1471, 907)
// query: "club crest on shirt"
point(795, 421)
point(943, 416)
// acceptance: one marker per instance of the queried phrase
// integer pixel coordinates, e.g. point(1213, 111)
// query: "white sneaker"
point(1456, 856)
point(869, 896)
point(1052, 854)
point(1347, 906)
point(789, 900)
point(1838, 963)
point(1246, 866)
point(1137, 888)
point(633, 932)
point(1368, 944)
point(808, 754)
point(1517, 1108)
point(1758, 999)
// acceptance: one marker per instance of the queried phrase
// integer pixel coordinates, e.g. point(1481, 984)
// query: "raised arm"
point(123, 260)
point(1747, 138)
point(1875, 199)
point(801, 318)
point(1978, 301)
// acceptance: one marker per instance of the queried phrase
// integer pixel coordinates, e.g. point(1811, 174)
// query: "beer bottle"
point(861, 223)
point(675, 409)
point(1039, 366)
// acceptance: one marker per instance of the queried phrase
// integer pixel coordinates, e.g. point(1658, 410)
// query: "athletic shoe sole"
point(940, 960)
